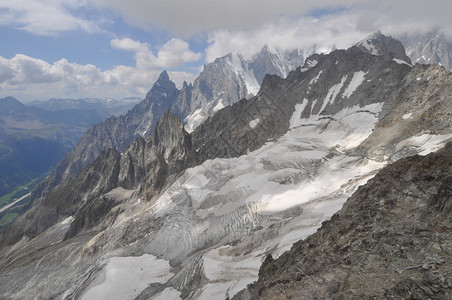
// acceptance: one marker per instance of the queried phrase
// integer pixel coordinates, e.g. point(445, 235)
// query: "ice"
point(406, 116)
point(240, 67)
point(168, 294)
point(323, 187)
point(311, 63)
point(125, 277)
point(253, 123)
point(358, 78)
point(332, 93)
point(219, 105)
point(425, 143)
point(401, 62)
point(314, 80)
point(220, 219)
point(195, 118)
point(296, 120)
point(235, 272)
point(367, 43)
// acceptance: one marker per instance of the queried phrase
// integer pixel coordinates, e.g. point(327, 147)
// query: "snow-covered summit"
point(232, 77)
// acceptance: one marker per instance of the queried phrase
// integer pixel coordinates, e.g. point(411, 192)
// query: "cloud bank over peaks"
point(308, 33)
point(28, 78)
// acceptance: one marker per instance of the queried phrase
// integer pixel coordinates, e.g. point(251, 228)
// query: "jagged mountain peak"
point(269, 49)
point(164, 83)
point(169, 120)
point(380, 44)
point(163, 77)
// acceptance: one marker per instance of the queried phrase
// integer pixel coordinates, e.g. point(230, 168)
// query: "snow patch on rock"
point(357, 79)
point(332, 93)
point(401, 62)
point(253, 123)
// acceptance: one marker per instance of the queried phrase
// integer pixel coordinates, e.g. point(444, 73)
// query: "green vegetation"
point(30, 159)
point(18, 192)
point(8, 218)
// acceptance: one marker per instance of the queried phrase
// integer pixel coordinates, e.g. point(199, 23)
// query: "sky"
point(117, 49)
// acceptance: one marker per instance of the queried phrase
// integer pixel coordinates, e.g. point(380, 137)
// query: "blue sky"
point(116, 48)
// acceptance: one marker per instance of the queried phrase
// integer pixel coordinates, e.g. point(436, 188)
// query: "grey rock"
point(379, 44)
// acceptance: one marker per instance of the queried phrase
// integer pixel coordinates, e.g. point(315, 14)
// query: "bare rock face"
point(379, 44)
point(274, 62)
point(429, 48)
point(392, 239)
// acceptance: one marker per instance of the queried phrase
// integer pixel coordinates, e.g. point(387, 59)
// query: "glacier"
point(220, 219)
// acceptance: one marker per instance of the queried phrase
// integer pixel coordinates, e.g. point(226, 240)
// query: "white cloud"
point(173, 54)
point(45, 17)
point(28, 78)
point(310, 34)
point(129, 45)
point(188, 18)
point(176, 52)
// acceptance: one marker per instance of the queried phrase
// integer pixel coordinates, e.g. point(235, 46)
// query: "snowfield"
point(125, 277)
point(223, 217)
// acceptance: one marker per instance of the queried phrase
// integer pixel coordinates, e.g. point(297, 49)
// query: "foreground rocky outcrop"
point(392, 239)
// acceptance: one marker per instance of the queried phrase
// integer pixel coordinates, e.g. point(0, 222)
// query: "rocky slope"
point(391, 239)
point(198, 212)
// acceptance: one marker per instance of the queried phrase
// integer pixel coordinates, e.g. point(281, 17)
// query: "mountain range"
point(33, 140)
point(170, 213)
point(36, 136)
point(105, 106)
point(222, 83)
